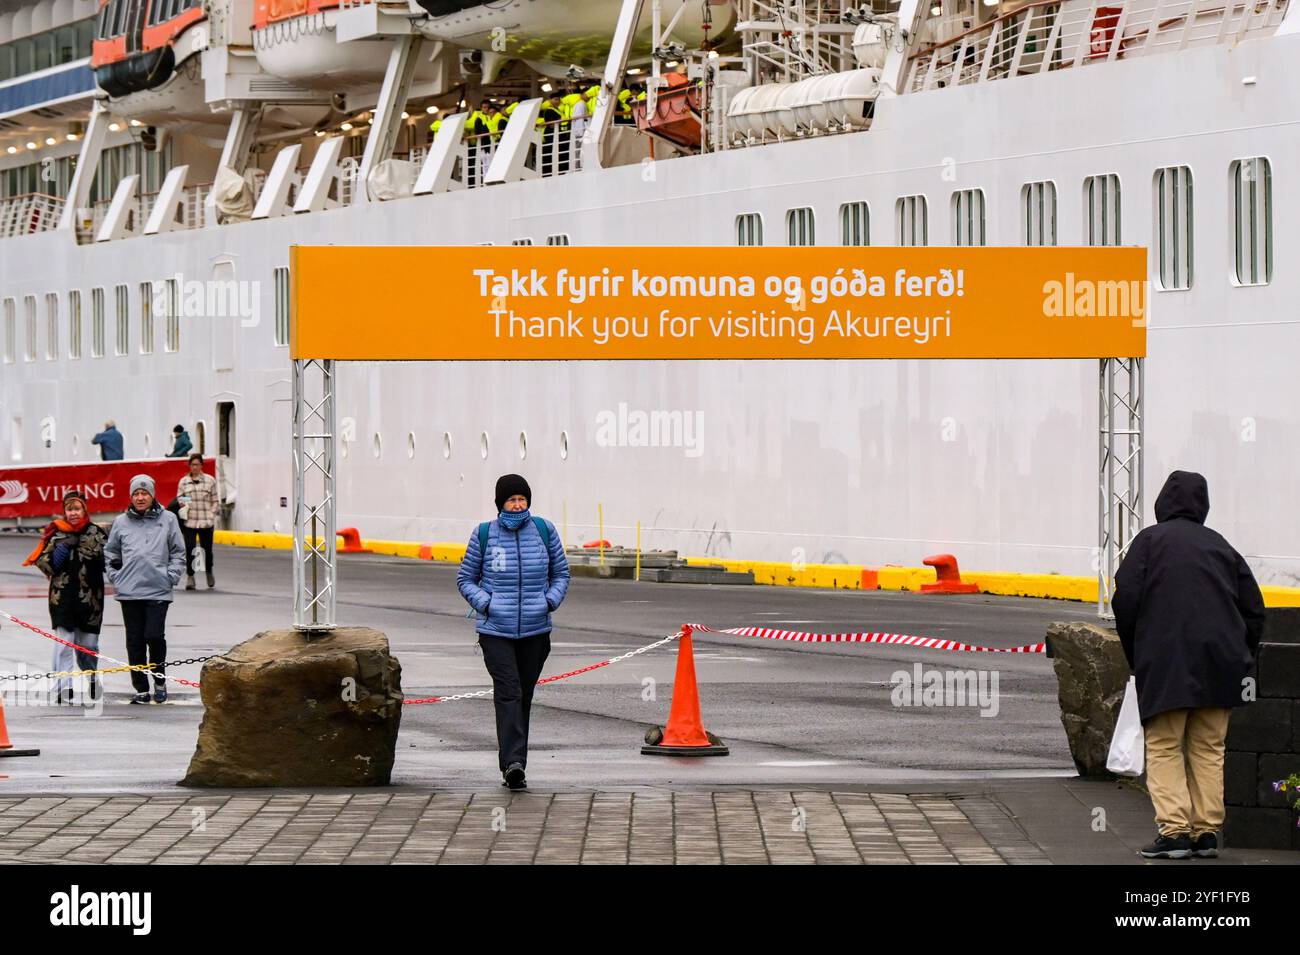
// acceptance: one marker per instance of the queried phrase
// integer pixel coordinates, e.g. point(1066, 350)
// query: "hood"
point(1185, 494)
point(153, 510)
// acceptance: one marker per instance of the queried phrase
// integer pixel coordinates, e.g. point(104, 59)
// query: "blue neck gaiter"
point(513, 521)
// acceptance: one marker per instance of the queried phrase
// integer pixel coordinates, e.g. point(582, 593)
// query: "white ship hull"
point(881, 462)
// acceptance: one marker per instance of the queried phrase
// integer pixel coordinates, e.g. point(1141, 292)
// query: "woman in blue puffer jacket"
point(514, 574)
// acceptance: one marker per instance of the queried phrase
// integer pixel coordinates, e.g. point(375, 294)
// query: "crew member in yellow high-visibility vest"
point(496, 123)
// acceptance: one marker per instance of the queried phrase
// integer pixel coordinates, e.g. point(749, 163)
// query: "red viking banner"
point(37, 490)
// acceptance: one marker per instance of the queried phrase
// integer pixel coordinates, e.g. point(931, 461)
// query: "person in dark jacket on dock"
point(110, 442)
point(514, 574)
point(181, 443)
point(1189, 615)
point(71, 555)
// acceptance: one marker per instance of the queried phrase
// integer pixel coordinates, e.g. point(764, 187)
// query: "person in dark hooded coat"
point(1189, 615)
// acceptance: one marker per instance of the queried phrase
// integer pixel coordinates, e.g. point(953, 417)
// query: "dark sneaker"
point(189, 582)
point(1168, 847)
point(160, 695)
point(142, 698)
point(212, 581)
point(515, 777)
point(1206, 846)
point(65, 696)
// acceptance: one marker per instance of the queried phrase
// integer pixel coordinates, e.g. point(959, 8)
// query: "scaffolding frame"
point(1121, 397)
point(315, 447)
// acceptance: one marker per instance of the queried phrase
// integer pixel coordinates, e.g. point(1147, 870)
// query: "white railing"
point(1054, 35)
point(29, 214)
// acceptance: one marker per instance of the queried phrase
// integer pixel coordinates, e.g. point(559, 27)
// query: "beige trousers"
point(1184, 750)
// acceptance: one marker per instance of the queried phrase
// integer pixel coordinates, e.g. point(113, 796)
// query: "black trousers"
point(515, 666)
point(201, 536)
point(146, 638)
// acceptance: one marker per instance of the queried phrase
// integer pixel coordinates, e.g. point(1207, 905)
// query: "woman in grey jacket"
point(514, 574)
point(146, 557)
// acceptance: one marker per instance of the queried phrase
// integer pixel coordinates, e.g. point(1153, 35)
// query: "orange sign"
point(456, 303)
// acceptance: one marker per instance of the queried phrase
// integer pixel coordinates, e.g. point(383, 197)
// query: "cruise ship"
point(159, 158)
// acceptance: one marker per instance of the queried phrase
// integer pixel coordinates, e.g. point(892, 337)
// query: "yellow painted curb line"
point(774, 573)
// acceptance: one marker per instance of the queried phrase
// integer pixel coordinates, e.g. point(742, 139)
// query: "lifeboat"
point(676, 116)
point(145, 56)
point(296, 40)
point(553, 36)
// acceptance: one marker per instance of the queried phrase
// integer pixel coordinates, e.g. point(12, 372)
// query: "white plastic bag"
point(1127, 755)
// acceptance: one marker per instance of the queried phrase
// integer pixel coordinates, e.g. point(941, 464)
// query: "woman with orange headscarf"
point(71, 555)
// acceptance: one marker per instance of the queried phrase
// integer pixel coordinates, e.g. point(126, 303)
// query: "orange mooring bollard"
point(6, 747)
point(949, 577)
point(685, 734)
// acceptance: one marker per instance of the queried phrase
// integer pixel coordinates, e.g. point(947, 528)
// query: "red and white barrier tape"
point(95, 653)
point(553, 679)
point(899, 639)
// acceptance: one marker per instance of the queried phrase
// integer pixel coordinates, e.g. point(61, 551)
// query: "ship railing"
point(28, 214)
point(1053, 35)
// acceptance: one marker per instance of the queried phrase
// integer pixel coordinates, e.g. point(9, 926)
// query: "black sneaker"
point(515, 777)
point(1206, 846)
point(160, 695)
point(142, 698)
point(1168, 847)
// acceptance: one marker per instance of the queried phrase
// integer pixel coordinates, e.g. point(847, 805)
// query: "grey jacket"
point(145, 554)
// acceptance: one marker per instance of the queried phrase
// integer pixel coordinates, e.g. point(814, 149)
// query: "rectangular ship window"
point(146, 318)
point(1038, 213)
point(1101, 209)
point(29, 316)
point(280, 279)
point(968, 217)
point(560, 238)
point(800, 227)
point(1252, 221)
point(912, 220)
point(11, 331)
point(749, 229)
point(855, 224)
point(521, 241)
point(97, 323)
point(74, 323)
point(172, 310)
point(52, 326)
point(1173, 226)
point(122, 341)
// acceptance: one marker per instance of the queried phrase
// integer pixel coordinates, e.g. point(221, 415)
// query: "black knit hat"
point(508, 485)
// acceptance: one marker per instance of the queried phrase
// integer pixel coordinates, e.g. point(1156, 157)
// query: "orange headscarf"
point(54, 527)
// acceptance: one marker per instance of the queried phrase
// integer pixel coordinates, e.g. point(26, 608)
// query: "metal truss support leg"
point(315, 564)
point(1120, 405)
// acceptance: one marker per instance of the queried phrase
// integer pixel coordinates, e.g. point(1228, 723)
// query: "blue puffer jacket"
point(514, 587)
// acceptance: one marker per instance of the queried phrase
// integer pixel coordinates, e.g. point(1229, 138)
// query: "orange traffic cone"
point(685, 734)
point(6, 747)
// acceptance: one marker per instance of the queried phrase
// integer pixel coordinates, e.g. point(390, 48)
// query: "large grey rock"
point(282, 710)
point(1091, 674)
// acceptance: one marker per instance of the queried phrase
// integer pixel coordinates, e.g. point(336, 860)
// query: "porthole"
point(483, 445)
point(410, 444)
point(446, 444)
point(147, 443)
point(564, 445)
point(523, 444)
point(377, 445)
point(76, 445)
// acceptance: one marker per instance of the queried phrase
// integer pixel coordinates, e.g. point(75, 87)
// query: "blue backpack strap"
point(546, 539)
point(482, 548)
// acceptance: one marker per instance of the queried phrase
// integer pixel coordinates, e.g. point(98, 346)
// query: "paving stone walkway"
point(648, 826)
